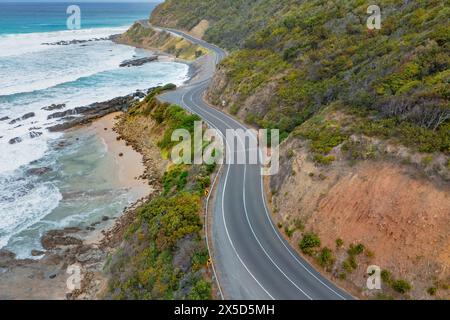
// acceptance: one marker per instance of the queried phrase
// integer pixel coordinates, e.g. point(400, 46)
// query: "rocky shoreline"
point(86, 248)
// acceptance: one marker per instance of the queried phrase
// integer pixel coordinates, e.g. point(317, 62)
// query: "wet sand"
point(46, 278)
point(129, 162)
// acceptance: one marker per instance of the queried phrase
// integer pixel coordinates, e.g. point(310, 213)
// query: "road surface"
point(251, 258)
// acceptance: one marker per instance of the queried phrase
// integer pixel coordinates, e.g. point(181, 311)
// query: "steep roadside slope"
point(160, 41)
point(159, 247)
point(365, 121)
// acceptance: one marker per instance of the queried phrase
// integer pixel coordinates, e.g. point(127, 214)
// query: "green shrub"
point(386, 276)
point(309, 242)
point(289, 231)
point(200, 291)
point(355, 249)
point(323, 160)
point(432, 291)
point(401, 286)
point(326, 258)
point(339, 243)
point(199, 259)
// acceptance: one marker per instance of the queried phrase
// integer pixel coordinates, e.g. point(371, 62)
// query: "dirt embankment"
point(401, 218)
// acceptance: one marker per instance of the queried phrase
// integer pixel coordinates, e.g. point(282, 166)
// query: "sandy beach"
point(129, 162)
point(46, 278)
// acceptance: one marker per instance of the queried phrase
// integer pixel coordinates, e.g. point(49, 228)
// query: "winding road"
point(250, 257)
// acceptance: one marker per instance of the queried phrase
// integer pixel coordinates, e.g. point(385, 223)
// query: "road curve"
point(251, 258)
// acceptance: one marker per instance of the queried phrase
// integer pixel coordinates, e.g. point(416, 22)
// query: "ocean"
point(74, 190)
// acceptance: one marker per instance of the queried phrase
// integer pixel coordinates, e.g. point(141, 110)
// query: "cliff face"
point(162, 252)
point(160, 41)
point(365, 119)
point(400, 217)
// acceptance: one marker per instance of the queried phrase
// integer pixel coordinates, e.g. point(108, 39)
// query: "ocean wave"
point(29, 205)
point(19, 44)
point(40, 70)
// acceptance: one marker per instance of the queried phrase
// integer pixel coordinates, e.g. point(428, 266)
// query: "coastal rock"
point(139, 94)
point(89, 113)
point(75, 41)
point(35, 134)
point(138, 62)
point(54, 107)
point(6, 254)
point(37, 253)
point(24, 117)
point(4, 118)
point(38, 171)
point(15, 140)
point(78, 110)
point(57, 238)
point(92, 255)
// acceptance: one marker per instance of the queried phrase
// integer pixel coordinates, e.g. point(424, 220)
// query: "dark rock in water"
point(38, 171)
point(7, 258)
point(54, 107)
point(34, 128)
point(4, 118)
point(62, 144)
point(37, 253)
point(78, 110)
point(75, 41)
point(6, 254)
point(138, 62)
point(24, 117)
point(57, 238)
point(35, 134)
point(15, 140)
point(105, 218)
point(139, 94)
point(52, 276)
point(89, 113)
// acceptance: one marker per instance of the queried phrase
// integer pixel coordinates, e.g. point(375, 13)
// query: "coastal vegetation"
point(163, 255)
point(314, 53)
point(360, 112)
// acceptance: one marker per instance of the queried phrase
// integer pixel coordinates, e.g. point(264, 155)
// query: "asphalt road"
point(251, 258)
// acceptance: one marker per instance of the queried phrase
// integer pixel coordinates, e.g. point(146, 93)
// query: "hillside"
point(162, 252)
point(160, 41)
point(361, 112)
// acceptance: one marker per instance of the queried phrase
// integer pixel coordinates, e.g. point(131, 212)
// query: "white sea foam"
point(24, 205)
point(19, 44)
point(33, 76)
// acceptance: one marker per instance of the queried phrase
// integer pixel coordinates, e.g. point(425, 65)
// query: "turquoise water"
point(46, 17)
point(76, 190)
